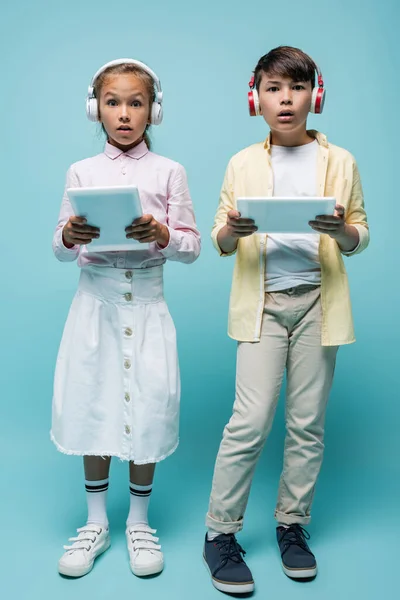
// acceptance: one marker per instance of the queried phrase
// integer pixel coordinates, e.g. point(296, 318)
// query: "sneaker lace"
point(230, 549)
point(86, 538)
point(142, 538)
point(295, 535)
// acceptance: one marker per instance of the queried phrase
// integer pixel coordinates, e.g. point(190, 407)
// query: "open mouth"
point(124, 128)
point(286, 113)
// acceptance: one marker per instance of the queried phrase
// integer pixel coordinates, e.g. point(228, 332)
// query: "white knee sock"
point(96, 496)
point(139, 505)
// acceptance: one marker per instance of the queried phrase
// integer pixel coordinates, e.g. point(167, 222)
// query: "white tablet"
point(111, 209)
point(285, 215)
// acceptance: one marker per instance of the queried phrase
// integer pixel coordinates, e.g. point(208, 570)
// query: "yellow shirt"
point(249, 173)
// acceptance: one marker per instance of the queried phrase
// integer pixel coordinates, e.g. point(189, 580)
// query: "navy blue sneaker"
point(223, 558)
point(298, 561)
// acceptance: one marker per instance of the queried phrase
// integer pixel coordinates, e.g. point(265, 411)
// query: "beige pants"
point(291, 339)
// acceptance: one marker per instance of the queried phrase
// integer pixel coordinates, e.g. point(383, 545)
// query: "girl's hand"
point(77, 233)
point(238, 227)
point(333, 225)
point(147, 229)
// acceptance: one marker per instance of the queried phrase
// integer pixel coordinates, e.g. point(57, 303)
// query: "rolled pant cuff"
point(291, 519)
point(223, 526)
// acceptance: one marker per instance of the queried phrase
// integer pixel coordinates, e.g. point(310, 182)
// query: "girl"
point(117, 386)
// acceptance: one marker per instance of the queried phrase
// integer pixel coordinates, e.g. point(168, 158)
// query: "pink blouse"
point(164, 193)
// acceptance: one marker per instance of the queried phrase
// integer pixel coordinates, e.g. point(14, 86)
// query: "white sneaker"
point(78, 560)
point(145, 556)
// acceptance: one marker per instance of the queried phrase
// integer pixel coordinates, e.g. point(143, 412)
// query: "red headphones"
point(317, 100)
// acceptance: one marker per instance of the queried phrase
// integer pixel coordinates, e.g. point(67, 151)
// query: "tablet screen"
point(285, 215)
point(111, 209)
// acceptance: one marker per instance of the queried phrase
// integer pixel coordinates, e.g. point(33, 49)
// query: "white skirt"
point(117, 384)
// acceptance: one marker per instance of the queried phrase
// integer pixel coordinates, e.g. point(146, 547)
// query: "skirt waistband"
point(123, 286)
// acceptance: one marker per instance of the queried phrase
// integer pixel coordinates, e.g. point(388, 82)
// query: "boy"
point(289, 308)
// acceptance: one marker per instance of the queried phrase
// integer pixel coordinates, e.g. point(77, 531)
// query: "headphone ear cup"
point(254, 105)
point(156, 114)
point(318, 100)
point(92, 110)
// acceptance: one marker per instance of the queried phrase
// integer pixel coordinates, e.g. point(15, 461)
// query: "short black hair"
point(286, 61)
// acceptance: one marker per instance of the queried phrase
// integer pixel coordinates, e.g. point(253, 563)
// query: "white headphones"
point(92, 108)
point(317, 100)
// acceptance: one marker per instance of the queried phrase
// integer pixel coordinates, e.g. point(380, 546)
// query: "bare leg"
point(141, 474)
point(96, 467)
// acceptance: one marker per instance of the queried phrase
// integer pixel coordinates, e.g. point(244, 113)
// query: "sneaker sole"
point(300, 573)
point(146, 571)
point(70, 571)
point(230, 588)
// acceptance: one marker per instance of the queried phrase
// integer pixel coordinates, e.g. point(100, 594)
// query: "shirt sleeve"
point(356, 214)
point(63, 253)
point(226, 203)
point(184, 238)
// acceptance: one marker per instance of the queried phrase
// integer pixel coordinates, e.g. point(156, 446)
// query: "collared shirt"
point(249, 173)
point(163, 191)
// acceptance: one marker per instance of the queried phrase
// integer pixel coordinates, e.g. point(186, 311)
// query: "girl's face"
point(124, 109)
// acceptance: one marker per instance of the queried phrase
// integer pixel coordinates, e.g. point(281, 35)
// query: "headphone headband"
point(128, 61)
point(320, 78)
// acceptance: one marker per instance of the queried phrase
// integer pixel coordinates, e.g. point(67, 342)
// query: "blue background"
point(204, 54)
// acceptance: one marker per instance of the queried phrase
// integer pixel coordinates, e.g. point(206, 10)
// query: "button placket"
point(127, 408)
point(127, 285)
point(127, 346)
point(123, 164)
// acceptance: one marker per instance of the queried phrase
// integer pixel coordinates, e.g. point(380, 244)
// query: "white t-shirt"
point(293, 260)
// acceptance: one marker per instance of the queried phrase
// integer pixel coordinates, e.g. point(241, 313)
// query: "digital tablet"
point(111, 209)
point(285, 214)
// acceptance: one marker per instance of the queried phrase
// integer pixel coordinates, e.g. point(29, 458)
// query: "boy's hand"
point(146, 229)
point(77, 233)
point(346, 236)
point(333, 225)
point(238, 227)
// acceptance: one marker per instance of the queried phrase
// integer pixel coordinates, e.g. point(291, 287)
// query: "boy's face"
point(284, 103)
